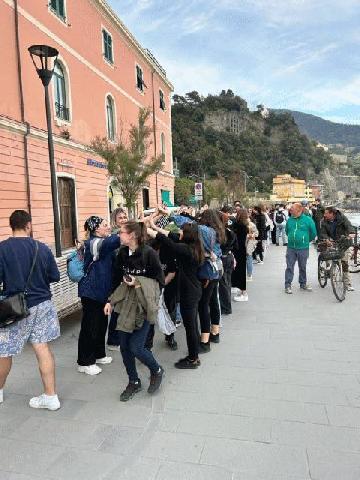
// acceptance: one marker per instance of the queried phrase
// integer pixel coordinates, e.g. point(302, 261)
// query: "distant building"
point(289, 189)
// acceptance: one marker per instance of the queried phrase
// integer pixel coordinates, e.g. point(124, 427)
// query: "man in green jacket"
point(300, 230)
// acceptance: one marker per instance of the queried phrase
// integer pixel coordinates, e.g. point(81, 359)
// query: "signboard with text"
point(198, 191)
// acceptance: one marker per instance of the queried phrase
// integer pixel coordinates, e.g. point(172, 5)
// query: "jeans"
point(113, 334)
point(293, 255)
point(91, 344)
point(280, 231)
point(225, 284)
point(132, 346)
point(249, 265)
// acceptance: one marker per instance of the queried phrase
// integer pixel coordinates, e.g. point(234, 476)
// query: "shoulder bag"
point(15, 308)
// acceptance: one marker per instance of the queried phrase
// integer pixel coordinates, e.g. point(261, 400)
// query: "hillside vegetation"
point(266, 146)
point(325, 131)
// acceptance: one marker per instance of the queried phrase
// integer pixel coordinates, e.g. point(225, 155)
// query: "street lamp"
point(41, 56)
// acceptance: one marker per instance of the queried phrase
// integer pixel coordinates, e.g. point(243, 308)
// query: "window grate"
point(62, 112)
point(162, 101)
point(139, 78)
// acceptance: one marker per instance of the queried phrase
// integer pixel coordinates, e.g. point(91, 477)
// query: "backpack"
point(75, 261)
point(75, 266)
point(279, 217)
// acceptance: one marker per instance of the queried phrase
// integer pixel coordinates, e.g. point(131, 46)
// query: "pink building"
point(102, 78)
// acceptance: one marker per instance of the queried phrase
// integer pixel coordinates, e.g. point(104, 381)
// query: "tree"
point(128, 165)
point(184, 188)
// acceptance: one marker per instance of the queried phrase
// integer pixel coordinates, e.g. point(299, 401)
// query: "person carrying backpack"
point(280, 219)
point(94, 289)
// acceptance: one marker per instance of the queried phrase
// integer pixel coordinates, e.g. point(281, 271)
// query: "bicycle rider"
point(334, 226)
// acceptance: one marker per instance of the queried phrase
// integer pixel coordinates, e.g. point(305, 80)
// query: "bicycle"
point(354, 262)
point(330, 265)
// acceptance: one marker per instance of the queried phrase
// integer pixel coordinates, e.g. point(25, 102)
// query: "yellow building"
point(289, 189)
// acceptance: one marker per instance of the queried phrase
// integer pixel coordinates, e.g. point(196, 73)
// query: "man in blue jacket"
point(300, 230)
point(41, 326)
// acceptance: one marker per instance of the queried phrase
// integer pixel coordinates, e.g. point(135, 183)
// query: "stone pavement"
point(277, 399)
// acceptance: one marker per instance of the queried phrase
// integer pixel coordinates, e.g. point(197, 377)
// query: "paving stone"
point(78, 464)
point(226, 426)
point(344, 416)
point(333, 465)
point(61, 432)
point(176, 471)
point(255, 458)
point(280, 409)
point(135, 468)
point(177, 447)
point(197, 402)
point(30, 458)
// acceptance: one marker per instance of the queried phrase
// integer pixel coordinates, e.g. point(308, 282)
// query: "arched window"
point(162, 137)
point(61, 97)
point(110, 118)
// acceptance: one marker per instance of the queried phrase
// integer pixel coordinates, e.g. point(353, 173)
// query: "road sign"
point(198, 191)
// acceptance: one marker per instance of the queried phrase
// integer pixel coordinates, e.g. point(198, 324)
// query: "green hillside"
point(263, 149)
point(325, 131)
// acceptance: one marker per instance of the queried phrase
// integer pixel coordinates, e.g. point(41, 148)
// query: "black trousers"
point(209, 302)
point(189, 316)
point(94, 322)
point(225, 284)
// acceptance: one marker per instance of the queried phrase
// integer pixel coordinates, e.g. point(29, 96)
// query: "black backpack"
point(279, 217)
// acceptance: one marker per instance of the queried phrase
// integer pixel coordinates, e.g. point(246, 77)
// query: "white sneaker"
point(89, 369)
point(241, 298)
point(104, 360)
point(350, 288)
point(45, 401)
point(249, 278)
point(115, 348)
point(235, 290)
point(1, 395)
point(260, 262)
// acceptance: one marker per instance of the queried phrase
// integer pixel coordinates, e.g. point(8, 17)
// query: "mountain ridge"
point(325, 131)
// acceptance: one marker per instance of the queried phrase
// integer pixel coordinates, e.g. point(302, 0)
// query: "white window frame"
point(59, 121)
point(136, 83)
point(163, 96)
point(115, 117)
point(108, 62)
point(63, 21)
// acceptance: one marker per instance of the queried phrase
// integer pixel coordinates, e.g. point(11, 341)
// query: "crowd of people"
point(196, 263)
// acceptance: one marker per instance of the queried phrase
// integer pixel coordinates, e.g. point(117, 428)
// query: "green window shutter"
point(165, 198)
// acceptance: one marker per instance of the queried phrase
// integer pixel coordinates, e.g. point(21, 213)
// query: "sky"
point(297, 54)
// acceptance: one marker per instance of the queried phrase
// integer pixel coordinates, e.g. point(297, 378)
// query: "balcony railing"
point(62, 112)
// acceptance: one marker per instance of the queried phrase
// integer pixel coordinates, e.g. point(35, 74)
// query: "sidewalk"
point(277, 399)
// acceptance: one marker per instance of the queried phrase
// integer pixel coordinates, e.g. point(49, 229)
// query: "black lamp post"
point(42, 54)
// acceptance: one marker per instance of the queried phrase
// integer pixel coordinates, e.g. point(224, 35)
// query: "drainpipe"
point(22, 107)
point(154, 133)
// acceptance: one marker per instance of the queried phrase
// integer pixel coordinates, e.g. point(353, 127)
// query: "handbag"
point(15, 308)
point(166, 325)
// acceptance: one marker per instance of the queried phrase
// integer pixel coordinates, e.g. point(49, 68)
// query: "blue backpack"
point(75, 266)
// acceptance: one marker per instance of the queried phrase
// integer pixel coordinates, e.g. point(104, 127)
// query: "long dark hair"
point(191, 236)
point(139, 229)
point(211, 218)
point(242, 217)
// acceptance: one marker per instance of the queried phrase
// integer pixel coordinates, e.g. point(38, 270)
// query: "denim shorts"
point(41, 326)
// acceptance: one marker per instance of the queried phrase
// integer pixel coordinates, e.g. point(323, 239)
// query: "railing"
point(62, 112)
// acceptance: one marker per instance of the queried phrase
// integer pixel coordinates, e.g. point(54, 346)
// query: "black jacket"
point(342, 227)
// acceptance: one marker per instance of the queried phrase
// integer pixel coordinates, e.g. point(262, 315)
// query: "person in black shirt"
point(189, 253)
point(227, 248)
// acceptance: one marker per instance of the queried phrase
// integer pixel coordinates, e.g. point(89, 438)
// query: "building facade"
point(102, 77)
point(289, 189)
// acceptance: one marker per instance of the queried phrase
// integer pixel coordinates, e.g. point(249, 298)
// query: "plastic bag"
point(166, 325)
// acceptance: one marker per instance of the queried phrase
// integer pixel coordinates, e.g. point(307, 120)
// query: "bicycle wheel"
point(354, 261)
point(337, 280)
point(322, 273)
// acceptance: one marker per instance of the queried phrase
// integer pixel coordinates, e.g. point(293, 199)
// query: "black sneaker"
point(130, 390)
point(187, 363)
point(215, 338)
point(204, 347)
point(172, 343)
point(155, 380)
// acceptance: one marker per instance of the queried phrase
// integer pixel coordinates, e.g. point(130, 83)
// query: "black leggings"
point(189, 316)
point(209, 307)
point(91, 345)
